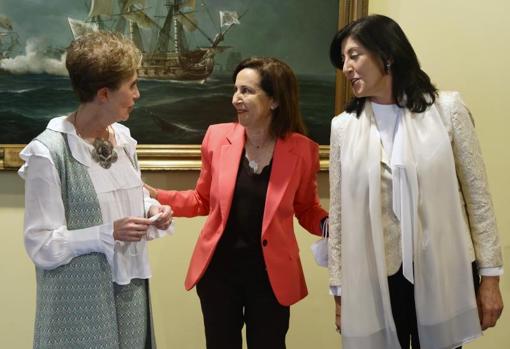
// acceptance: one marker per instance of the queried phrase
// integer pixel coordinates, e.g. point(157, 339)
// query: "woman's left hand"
point(153, 192)
point(489, 301)
point(165, 216)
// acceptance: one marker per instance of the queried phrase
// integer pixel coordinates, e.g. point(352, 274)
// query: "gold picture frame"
point(170, 157)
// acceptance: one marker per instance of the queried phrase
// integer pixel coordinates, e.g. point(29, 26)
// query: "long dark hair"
point(384, 38)
point(278, 81)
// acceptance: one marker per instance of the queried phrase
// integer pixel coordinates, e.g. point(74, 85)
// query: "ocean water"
point(166, 113)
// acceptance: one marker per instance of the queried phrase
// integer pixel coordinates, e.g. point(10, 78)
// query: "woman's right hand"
point(130, 228)
point(338, 307)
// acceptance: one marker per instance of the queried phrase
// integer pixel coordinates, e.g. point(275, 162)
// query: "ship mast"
point(177, 34)
point(133, 11)
point(174, 26)
point(163, 35)
point(100, 8)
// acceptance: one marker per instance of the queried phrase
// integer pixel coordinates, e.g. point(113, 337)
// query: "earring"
point(388, 66)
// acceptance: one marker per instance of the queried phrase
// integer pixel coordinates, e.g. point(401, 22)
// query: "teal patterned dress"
point(78, 305)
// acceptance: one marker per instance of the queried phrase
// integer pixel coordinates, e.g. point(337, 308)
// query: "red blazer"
point(292, 190)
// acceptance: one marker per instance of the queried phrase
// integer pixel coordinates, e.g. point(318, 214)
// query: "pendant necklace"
point(254, 166)
point(103, 153)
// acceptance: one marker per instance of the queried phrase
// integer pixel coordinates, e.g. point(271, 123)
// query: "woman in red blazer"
point(257, 173)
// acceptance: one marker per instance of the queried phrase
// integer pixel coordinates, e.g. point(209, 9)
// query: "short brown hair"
point(100, 59)
point(278, 81)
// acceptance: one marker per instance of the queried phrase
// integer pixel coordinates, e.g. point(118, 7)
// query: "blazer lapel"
point(228, 167)
point(284, 162)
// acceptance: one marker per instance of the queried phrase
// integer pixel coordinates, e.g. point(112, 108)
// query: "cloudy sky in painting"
point(296, 31)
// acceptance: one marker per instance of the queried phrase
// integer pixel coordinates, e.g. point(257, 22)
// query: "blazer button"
point(264, 242)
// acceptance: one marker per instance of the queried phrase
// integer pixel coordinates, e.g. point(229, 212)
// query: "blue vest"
point(76, 306)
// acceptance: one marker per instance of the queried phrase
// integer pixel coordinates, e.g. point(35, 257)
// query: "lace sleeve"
point(474, 186)
point(335, 209)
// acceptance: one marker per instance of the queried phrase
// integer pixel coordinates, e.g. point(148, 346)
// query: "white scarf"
point(426, 200)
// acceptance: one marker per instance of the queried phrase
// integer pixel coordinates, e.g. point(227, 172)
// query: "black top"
point(241, 240)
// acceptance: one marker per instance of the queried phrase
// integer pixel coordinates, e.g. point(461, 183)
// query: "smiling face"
point(365, 72)
point(252, 104)
point(121, 101)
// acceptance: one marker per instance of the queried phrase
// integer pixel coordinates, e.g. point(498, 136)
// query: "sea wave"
point(24, 90)
point(19, 91)
point(35, 61)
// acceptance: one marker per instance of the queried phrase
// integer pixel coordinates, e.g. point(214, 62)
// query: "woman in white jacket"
point(414, 255)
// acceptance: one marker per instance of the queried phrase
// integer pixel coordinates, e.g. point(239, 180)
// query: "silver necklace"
point(103, 153)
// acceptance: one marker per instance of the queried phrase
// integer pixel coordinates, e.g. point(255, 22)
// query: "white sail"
point(134, 2)
point(140, 18)
point(187, 5)
point(125, 5)
point(100, 7)
point(228, 18)
point(80, 28)
point(186, 16)
point(135, 35)
point(5, 22)
point(188, 21)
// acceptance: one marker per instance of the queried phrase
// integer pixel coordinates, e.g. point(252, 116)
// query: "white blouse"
point(120, 194)
point(386, 117)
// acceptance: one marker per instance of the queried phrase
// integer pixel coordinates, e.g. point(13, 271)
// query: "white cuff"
point(335, 291)
point(495, 271)
point(93, 239)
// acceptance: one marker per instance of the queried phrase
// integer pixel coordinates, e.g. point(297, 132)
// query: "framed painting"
point(190, 49)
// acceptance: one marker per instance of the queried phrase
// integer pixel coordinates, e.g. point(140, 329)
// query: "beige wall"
point(462, 44)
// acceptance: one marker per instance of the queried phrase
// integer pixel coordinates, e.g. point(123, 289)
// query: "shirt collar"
point(80, 150)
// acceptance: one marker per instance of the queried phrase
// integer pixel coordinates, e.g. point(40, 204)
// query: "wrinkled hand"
point(163, 222)
point(489, 301)
point(338, 307)
point(130, 228)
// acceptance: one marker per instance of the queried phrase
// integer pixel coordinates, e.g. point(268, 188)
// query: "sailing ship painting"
point(190, 49)
point(166, 52)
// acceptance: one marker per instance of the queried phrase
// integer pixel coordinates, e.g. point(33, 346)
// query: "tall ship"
point(9, 39)
point(163, 39)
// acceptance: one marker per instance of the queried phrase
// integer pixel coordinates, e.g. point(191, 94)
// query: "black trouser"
point(403, 307)
point(236, 294)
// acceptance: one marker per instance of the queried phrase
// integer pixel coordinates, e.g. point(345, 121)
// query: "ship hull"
point(196, 65)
